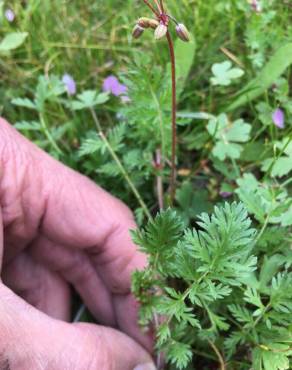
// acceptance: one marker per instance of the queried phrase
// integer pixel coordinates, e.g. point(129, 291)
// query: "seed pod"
point(182, 32)
point(160, 31)
point(137, 31)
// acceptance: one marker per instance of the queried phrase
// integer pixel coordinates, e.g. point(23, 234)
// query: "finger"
point(1, 242)
point(38, 194)
point(42, 288)
point(127, 315)
point(117, 257)
point(75, 267)
point(69, 210)
point(26, 335)
point(117, 350)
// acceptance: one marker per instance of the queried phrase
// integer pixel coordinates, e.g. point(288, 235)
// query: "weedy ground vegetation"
point(73, 80)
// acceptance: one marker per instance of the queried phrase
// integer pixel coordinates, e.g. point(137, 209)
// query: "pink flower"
point(279, 118)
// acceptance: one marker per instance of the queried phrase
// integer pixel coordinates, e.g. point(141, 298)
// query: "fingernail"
point(148, 366)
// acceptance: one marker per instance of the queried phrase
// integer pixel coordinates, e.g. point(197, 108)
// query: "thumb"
point(115, 350)
point(32, 340)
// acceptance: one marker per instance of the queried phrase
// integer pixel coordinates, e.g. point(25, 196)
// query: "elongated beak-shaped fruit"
point(182, 32)
point(160, 31)
point(137, 31)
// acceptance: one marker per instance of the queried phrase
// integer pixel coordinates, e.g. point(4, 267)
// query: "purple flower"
point(69, 83)
point(9, 15)
point(111, 84)
point(279, 118)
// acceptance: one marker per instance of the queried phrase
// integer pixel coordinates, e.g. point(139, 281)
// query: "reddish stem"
point(158, 6)
point(151, 7)
point(173, 119)
point(162, 6)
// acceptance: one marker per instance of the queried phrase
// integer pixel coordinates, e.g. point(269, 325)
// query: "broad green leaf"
point(264, 200)
point(89, 99)
point(223, 150)
point(224, 73)
point(253, 202)
point(13, 41)
point(185, 53)
point(239, 131)
point(227, 135)
point(257, 359)
point(286, 218)
point(282, 165)
point(277, 65)
point(277, 359)
point(248, 182)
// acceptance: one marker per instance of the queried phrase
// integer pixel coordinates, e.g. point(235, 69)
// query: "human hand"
point(61, 229)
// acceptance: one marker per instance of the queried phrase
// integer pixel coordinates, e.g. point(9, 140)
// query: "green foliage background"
point(231, 78)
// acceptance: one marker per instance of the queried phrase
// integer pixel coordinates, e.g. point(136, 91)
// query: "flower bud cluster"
point(160, 27)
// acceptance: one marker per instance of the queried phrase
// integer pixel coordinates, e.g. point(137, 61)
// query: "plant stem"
point(151, 7)
point(262, 229)
point(218, 354)
point(120, 165)
point(158, 6)
point(173, 119)
point(159, 180)
point(235, 167)
point(161, 123)
point(79, 313)
point(48, 134)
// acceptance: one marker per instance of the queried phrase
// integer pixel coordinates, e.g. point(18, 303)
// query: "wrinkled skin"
point(60, 229)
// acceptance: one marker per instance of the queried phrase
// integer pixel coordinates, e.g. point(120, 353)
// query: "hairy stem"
point(173, 119)
point(120, 165)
